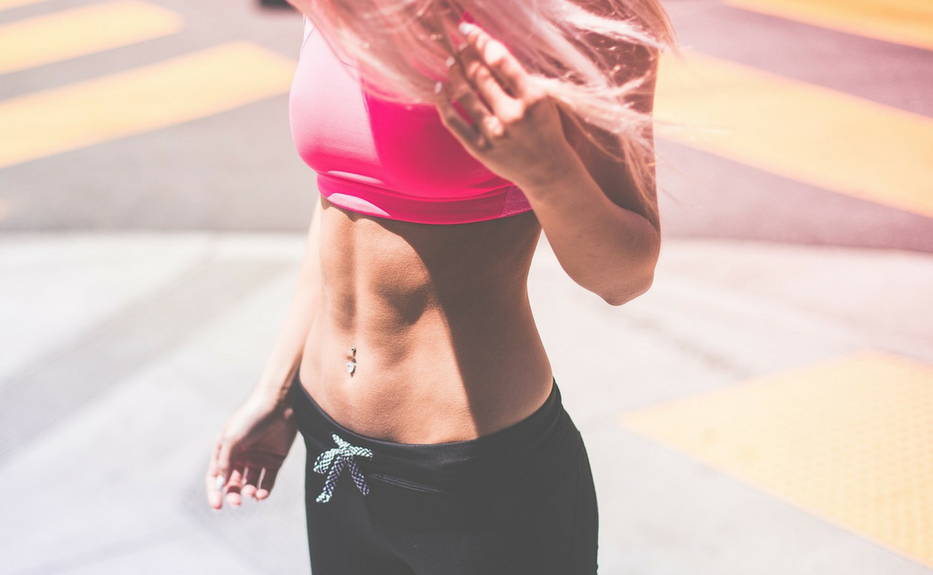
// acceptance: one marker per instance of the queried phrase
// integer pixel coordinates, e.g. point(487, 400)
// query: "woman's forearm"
point(608, 249)
point(286, 353)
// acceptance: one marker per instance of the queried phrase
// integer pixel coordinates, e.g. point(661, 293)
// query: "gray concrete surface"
point(143, 280)
point(127, 351)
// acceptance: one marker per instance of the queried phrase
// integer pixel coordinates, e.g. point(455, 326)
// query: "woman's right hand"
point(249, 451)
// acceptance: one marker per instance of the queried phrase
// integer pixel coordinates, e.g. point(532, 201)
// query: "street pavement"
point(767, 407)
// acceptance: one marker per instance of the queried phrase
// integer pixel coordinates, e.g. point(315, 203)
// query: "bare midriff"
point(446, 345)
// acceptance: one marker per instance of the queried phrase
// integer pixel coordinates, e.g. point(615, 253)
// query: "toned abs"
point(446, 345)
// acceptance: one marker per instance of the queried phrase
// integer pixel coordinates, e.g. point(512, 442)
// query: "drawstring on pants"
point(334, 460)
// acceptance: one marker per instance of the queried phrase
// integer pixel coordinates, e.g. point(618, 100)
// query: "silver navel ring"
point(351, 365)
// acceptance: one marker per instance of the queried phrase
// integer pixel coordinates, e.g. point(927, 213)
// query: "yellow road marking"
point(4, 4)
point(813, 134)
point(907, 22)
point(849, 440)
point(139, 100)
point(79, 31)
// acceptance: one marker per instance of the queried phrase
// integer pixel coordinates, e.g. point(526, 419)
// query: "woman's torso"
point(447, 348)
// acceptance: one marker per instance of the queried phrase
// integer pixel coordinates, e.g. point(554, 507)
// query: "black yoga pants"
point(517, 501)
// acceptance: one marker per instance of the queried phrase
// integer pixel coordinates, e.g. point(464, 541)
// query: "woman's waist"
point(426, 384)
point(441, 464)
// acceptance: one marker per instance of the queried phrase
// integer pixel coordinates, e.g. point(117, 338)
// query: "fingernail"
point(219, 481)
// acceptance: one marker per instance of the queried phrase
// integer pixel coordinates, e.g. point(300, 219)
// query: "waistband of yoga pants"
point(438, 461)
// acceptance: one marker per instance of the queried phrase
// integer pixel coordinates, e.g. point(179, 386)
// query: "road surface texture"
point(767, 407)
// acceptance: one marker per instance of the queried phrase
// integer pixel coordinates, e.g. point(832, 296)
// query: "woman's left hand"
point(516, 130)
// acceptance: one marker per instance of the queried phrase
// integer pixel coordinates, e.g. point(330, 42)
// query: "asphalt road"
point(764, 408)
point(231, 165)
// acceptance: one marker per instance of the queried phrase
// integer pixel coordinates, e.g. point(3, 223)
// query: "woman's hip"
point(540, 445)
point(518, 500)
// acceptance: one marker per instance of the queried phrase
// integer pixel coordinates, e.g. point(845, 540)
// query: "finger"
point(484, 121)
point(502, 63)
point(214, 484)
point(266, 482)
point(459, 89)
point(481, 77)
point(250, 476)
point(234, 484)
point(215, 477)
point(488, 90)
point(222, 456)
point(468, 136)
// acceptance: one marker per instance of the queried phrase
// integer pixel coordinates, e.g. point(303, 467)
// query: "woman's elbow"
point(632, 291)
point(637, 282)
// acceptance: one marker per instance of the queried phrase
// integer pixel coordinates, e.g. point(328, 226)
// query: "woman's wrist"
point(273, 395)
point(276, 378)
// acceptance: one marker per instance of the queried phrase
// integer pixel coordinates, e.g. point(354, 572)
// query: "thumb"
point(219, 472)
point(222, 463)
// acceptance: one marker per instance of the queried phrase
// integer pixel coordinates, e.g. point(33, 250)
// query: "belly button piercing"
point(351, 365)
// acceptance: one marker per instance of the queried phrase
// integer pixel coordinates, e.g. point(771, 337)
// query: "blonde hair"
point(399, 48)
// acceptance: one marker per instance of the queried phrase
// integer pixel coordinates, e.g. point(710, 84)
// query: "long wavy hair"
point(399, 48)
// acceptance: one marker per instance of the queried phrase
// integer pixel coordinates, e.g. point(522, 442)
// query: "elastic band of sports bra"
point(380, 202)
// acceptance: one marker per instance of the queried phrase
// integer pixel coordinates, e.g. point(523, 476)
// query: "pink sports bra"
point(384, 159)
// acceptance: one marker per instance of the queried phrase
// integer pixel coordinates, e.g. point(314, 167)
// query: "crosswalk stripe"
point(139, 100)
point(4, 4)
point(907, 22)
point(809, 133)
point(848, 439)
point(84, 30)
